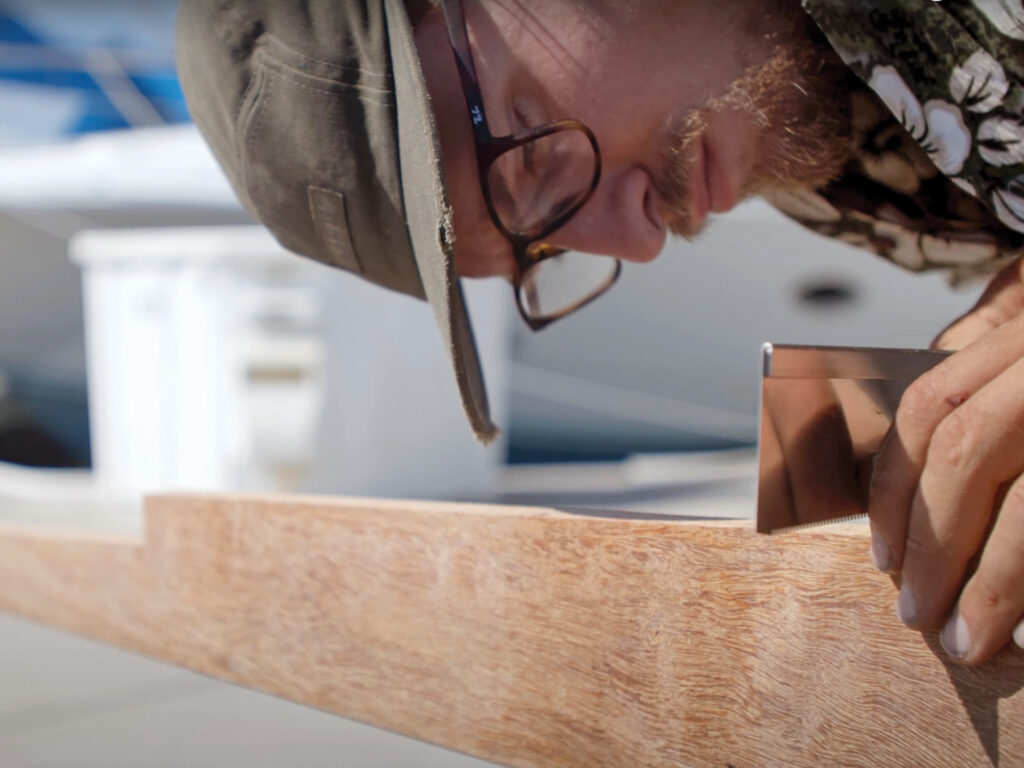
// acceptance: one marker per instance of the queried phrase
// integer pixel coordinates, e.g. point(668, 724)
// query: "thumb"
point(1002, 301)
point(965, 330)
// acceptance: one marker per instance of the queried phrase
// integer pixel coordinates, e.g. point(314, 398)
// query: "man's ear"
point(1002, 301)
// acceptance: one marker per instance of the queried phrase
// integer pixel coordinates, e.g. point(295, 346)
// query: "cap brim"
point(429, 218)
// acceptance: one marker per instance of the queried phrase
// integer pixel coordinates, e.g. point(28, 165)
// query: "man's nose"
point(621, 219)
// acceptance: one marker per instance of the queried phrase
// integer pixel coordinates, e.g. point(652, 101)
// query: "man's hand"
point(947, 493)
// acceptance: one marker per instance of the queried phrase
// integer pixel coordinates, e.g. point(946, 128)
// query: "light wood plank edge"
point(533, 637)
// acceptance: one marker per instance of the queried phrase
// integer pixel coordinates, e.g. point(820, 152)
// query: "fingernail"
point(906, 606)
point(881, 555)
point(1018, 635)
point(956, 636)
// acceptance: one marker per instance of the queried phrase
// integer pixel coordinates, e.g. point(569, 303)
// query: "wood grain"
point(534, 637)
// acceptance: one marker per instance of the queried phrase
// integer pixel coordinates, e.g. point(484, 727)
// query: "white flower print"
point(965, 185)
point(1001, 141)
point(897, 96)
point(904, 246)
point(950, 251)
point(948, 141)
point(1006, 15)
point(803, 204)
point(938, 126)
point(1008, 201)
point(980, 84)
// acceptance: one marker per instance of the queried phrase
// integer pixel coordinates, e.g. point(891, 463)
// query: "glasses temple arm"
point(459, 38)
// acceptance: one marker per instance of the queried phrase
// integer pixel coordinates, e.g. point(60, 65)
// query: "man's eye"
point(530, 158)
point(522, 116)
point(525, 115)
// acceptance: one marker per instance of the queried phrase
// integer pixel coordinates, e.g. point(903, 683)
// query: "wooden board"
point(534, 637)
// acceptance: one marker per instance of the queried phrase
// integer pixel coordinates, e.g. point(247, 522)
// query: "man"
point(415, 142)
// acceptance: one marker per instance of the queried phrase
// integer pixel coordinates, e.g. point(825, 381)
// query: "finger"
point(992, 603)
point(1018, 635)
point(964, 331)
point(1002, 300)
point(975, 451)
point(926, 403)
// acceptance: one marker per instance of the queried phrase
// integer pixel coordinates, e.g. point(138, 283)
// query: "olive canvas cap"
point(319, 114)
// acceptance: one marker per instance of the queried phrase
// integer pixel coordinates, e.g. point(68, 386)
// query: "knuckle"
point(918, 404)
point(956, 441)
point(939, 548)
point(989, 596)
point(928, 401)
point(918, 547)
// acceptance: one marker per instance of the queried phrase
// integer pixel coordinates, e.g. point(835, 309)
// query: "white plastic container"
point(219, 361)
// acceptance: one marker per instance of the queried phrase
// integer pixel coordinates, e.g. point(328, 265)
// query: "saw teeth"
point(819, 523)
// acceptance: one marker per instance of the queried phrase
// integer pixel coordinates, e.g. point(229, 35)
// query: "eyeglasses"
point(534, 180)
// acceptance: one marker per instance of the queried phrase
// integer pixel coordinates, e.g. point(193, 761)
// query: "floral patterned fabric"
point(938, 174)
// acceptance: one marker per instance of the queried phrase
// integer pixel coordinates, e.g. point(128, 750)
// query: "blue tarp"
point(72, 67)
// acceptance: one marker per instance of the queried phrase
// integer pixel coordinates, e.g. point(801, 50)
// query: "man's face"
point(694, 104)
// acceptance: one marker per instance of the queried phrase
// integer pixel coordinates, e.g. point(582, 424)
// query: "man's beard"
point(796, 100)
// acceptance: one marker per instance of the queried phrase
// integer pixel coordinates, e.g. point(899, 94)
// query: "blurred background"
point(152, 337)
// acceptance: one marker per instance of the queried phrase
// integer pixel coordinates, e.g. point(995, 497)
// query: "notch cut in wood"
point(534, 637)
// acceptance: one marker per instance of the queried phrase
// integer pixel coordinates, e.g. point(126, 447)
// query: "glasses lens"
point(560, 284)
point(535, 183)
